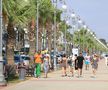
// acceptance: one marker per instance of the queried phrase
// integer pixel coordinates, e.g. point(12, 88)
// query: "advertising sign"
point(75, 51)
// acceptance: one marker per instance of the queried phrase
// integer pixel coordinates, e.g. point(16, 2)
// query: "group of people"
point(75, 63)
point(42, 59)
point(72, 63)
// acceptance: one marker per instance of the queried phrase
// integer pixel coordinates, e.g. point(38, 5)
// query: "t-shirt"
point(95, 61)
point(80, 60)
point(38, 58)
point(87, 58)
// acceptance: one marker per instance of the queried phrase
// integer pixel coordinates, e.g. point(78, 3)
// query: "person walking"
point(69, 61)
point(76, 62)
point(71, 64)
point(47, 64)
point(64, 65)
point(38, 61)
point(87, 61)
point(80, 59)
point(94, 63)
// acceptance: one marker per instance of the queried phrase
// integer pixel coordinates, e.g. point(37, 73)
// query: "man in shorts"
point(80, 59)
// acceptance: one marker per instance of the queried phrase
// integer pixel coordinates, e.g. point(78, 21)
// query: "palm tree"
point(21, 14)
point(14, 12)
point(46, 14)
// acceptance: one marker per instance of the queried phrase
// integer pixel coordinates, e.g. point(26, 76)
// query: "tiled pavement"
point(56, 82)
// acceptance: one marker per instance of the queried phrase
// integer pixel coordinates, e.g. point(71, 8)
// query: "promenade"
point(56, 82)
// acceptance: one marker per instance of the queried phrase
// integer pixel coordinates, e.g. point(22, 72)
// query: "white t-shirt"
point(87, 58)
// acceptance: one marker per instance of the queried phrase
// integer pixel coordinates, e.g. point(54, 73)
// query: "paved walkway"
point(56, 82)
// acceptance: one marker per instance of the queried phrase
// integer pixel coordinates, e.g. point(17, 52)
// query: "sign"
point(27, 45)
point(75, 51)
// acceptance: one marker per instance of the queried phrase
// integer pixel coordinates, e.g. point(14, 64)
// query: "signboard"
point(75, 51)
point(27, 45)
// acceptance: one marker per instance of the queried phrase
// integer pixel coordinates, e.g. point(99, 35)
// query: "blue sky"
point(94, 13)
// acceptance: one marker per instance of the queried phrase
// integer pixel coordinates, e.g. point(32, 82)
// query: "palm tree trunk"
point(49, 33)
point(49, 41)
point(32, 36)
point(40, 37)
point(10, 43)
point(32, 47)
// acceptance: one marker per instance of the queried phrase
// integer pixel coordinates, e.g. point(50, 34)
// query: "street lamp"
point(16, 37)
point(95, 47)
point(84, 28)
point(88, 30)
point(25, 30)
point(73, 16)
point(55, 6)
point(91, 33)
point(79, 27)
point(64, 8)
point(79, 40)
point(2, 79)
point(80, 21)
point(42, 41)
point(25, 39)
point(67, 23)
point(37, 26)
point(26, 43)
point(73, 34)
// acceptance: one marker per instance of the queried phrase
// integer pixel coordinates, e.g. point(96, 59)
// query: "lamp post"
point(73, 35)
point(42, 41)
point(64, 8)
point(55, 62)
point(79, 27)
point(85, 27)
point(37, 26)
point(92, 40)
point(67, 22)
point(73, 16)
point(16, 37)
point(26, 39)
point(2, 79)
point(79, 40)
point(86, 42)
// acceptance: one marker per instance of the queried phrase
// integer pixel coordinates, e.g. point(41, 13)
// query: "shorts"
point(94, 66)
point(87, 62)
point(63, 64)
point(80, 66)
point(46, 68)
point(72, 65)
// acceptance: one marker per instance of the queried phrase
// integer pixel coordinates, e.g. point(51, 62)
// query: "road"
point(56, 82)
